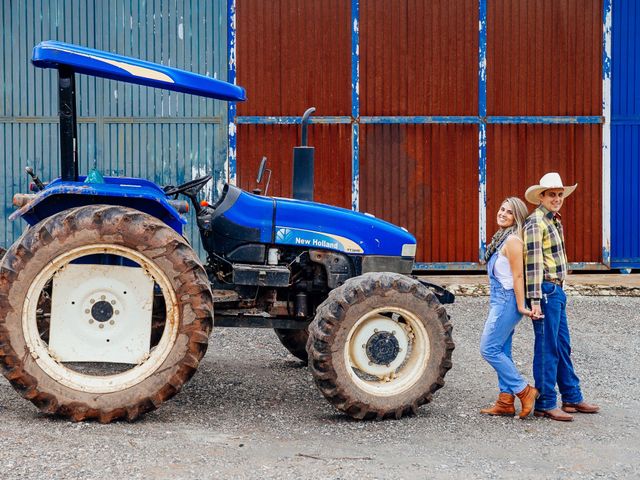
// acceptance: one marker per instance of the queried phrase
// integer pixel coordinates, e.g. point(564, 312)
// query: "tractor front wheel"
point(379, 346)
point(105, 313)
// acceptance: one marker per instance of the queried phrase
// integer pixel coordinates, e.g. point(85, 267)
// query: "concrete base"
point(598, 284)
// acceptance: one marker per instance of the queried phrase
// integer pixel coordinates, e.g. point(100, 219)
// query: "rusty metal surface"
point(294, 54)
point(419, 58)
point(544, 57)
point(518, 155)
point(332, 179)
point(424, 178)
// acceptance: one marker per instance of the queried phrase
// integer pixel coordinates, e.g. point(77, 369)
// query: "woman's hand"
point(537, 313)
point(534, 314)
point(525, 311)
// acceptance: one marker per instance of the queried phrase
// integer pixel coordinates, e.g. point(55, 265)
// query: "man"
point(546, 270)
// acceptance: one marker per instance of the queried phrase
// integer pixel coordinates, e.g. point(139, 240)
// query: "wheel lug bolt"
point(113, 302)
point(375, 330)
point(102, 297)
point(92, 301)
point(364, 346)
point(111, 322)
point(393, 332)
point(91, 320)
point(101, 325)
point(86, 310)
point(117, 312)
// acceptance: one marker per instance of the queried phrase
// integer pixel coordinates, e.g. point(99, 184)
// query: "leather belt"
point(555, 280)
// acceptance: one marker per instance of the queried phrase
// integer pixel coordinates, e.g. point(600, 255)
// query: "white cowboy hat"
point(548, 181)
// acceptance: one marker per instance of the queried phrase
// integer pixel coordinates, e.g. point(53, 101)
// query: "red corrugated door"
point(421, 59)
point(292, 55)
point(543, 59)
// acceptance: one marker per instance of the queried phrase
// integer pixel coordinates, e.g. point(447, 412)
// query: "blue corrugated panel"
point(126, 129)
point(625, 136)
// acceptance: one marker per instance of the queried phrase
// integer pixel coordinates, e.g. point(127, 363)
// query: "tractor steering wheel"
point(190, 188)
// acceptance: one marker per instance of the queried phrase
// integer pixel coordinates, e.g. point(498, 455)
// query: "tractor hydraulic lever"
point(38, 183)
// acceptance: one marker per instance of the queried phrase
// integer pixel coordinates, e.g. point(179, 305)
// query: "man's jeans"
point(552, 352)
point(495, 345)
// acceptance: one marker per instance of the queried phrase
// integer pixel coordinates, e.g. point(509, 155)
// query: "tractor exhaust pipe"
point(303, 164)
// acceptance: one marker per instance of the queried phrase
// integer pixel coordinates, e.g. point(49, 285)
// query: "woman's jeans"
point(552, 352)
point(495, 345)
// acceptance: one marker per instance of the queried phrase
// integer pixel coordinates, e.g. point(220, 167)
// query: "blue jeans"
point(552, 352)
point(495, 345)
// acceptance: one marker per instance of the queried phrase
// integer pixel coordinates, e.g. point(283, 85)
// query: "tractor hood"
point(316, 225)
point(285, 221)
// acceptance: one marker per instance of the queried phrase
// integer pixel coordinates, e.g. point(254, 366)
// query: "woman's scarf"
point(498, 238)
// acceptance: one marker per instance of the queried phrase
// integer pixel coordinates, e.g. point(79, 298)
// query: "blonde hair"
point(520, 213)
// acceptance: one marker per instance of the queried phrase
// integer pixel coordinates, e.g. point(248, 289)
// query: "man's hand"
point(536, 312)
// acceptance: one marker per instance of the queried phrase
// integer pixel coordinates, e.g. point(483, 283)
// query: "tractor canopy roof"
point(52, 54)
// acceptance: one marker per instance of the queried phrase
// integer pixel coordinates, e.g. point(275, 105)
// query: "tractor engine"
point(281, 255)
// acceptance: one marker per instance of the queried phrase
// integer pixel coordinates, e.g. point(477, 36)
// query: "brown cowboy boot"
point(503, 407)
point(581, 407)
point(527, 399)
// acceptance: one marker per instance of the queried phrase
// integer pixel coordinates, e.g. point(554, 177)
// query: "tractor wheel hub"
point(102, 311)
point(383, 348)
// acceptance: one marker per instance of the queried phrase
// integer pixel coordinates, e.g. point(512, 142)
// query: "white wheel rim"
point(410, 339)
point(93, 383)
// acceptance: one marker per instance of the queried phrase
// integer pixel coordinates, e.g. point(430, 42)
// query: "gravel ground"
point(252, 411)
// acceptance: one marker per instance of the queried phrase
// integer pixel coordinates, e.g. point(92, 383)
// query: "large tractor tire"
point(295, 341)
point(380, 346)
point(100, 390)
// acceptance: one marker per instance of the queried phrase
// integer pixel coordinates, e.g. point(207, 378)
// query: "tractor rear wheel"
point(295, 341)
point(103, 247)
point(379, 346)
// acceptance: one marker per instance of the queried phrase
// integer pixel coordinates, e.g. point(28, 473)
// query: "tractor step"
point(223, 296)
point(227, 319)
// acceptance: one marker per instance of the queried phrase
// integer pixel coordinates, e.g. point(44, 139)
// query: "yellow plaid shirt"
point(545, 256)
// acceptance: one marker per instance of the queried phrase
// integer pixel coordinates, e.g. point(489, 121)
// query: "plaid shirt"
point(545, 256)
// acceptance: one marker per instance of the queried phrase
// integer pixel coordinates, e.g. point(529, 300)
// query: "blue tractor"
point(106, 310)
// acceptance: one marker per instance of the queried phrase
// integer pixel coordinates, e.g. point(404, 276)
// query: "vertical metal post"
point(68, 124)
point(230, 164)
point(355, 104)
point(606, 132)
point(482, 134)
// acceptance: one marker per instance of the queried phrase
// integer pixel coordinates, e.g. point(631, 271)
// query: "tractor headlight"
point(409, 250)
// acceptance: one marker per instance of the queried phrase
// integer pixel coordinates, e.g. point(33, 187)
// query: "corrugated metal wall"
point(446, 119)
point(420, 58)
point(293, 55)
point(408, 126)
point(127, 129)
point(518, 155)
point(625, 136)
point(332, 159)
point(544, 58)
point(408, 177)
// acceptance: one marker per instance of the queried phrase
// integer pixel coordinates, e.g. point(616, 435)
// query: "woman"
point(505, 268)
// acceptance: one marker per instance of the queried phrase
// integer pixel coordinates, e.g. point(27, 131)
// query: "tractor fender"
point(127, 192)
point(443, 295)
